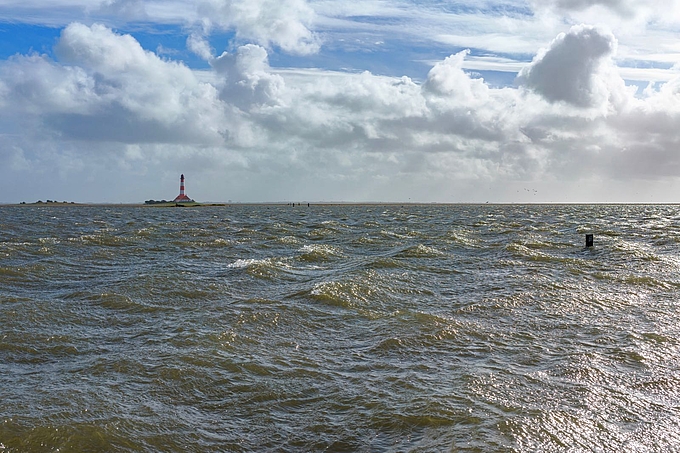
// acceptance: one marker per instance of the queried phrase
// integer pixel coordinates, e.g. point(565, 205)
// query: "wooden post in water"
point(589, 240)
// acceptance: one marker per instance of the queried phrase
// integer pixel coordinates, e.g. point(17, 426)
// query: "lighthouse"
point(182, 196)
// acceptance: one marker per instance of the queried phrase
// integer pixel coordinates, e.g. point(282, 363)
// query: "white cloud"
point(286, 24)
point(625, 8)
point(200, 46)
point(105, 106)
point(127, 87)
point(282, 23)
point(127, 9)
point(640, 11)
point(249, 82)
point(575, 68)
point(34, 84)
point(448, 78)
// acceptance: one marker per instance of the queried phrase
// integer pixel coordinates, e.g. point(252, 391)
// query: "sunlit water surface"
point(339, 328)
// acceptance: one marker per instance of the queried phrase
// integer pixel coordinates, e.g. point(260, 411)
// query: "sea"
point(340, 328)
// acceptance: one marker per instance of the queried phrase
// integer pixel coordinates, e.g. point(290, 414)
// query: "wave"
point(265, 268)
point(319, 252)
point(477, 328)
point(105, 239)
point(420, 251)
point(343, 294)
point(245, 263)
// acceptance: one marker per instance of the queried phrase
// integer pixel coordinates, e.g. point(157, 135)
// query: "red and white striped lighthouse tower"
point(182, 196)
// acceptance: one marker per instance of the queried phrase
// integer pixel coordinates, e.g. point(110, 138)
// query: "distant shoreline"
point(61, 204)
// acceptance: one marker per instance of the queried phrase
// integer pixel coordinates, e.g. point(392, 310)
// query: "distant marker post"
point(589, 240)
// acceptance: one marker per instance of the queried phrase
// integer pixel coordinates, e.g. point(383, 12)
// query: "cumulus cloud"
point(200, 46)
point(106, 103)
point(105, 83)
point(573, 69)
point(448, 78)
point(33, 84)
point(282, 23)
point(249, 81)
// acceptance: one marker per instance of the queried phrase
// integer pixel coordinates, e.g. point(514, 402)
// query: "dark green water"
point(340, 328)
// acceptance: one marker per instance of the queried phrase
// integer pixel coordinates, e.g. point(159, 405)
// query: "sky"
point(539, 101)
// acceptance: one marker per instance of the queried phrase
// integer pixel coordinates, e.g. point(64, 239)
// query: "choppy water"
point(340, 328)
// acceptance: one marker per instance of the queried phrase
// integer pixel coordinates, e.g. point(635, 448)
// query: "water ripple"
point(339, 328)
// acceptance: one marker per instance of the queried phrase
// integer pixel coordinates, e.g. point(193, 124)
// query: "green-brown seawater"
point(339, 328)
